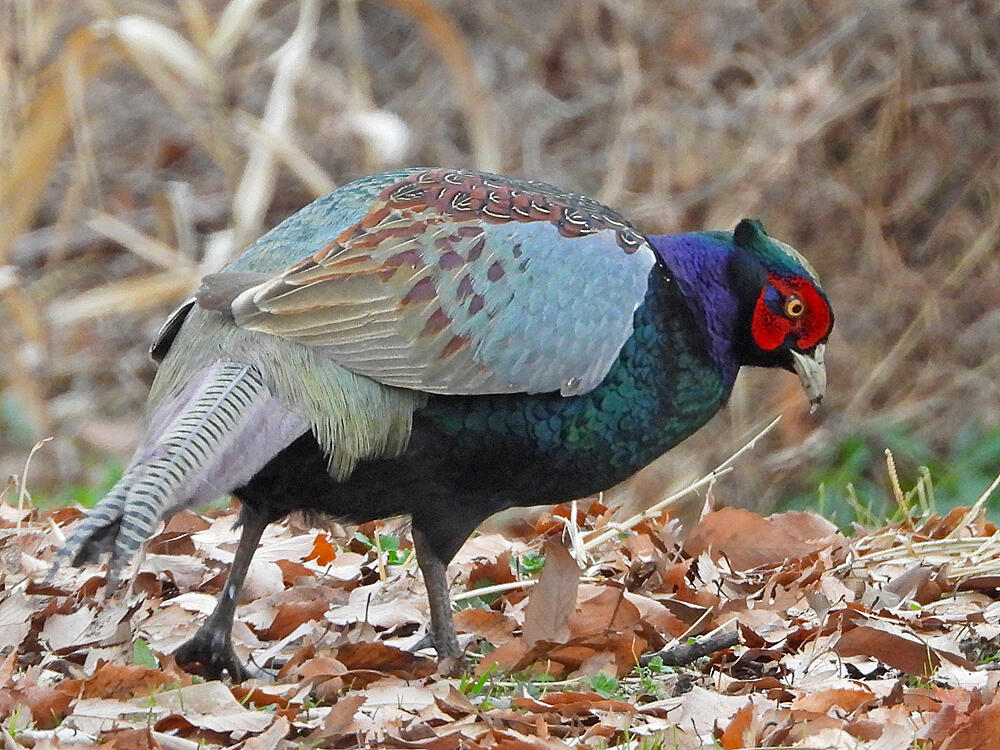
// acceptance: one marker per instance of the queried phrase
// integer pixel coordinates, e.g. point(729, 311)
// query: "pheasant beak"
point(812, 373)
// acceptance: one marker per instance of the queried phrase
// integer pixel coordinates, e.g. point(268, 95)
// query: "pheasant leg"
point(442, 630)
point(212, 646)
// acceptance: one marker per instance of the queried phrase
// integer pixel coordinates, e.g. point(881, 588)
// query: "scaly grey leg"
point(212, 645)
point(435, 578)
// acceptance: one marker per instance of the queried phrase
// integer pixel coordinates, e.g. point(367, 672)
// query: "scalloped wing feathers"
point(459, 283)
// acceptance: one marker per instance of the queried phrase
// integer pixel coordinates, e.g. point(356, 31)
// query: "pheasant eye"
point(794, 307)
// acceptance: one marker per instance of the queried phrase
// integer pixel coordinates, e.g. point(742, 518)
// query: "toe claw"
point(208, 655)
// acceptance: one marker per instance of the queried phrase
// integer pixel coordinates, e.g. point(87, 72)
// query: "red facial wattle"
point(770, 328)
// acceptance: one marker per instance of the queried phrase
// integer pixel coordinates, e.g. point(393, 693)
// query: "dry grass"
point(143, 142)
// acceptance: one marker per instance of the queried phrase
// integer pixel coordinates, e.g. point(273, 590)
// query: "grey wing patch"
point(569, 312)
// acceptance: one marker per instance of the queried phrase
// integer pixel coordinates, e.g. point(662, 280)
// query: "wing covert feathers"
point(460, 283)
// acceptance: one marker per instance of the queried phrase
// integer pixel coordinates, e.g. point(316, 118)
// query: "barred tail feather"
point(98, 526)
point(190, 445)
point(229, 415)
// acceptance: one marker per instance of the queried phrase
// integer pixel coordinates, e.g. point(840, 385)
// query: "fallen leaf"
point(943, 724)
point(322, 552)
point(8, 667)
point(495, 627)
point(15, 619)
point(824, 700)
point(130, 739)
point(271, 737)
point(981, 732)
point(96, 715)
point(186, 571)
point(657, 616)
point(185, 522)
point(491, 572)
point(733, 736)
point(385, 658)
point(377, 606)
point(573, 703)
point(454, 702)
point(504, 657)
point(320, 666)
point(387, 694)
point(207, 705)
point(46, 704)
point(171, 543)
point(63, 631)
point(749, 541)
point(484, 547)
point(606, 609)
point(552, 602)
point(292, 614)
point(263, 579)
point(787, 684)
point(908, 655)
point(704, 709)
point(291, 571)
point(123, 681)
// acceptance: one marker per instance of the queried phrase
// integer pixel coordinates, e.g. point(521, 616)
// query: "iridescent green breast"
point(662, 388)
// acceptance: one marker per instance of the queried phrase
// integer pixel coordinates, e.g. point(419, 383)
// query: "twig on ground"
point(685, 653)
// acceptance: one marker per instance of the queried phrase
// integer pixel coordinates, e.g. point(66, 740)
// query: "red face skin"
point(803, 313)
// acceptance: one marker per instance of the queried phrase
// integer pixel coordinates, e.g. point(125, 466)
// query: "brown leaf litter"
point(881, 639)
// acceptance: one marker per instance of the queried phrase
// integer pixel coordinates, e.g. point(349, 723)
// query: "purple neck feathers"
point(699, 264)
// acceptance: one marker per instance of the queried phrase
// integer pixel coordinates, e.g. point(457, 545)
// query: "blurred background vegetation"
point(142, 143)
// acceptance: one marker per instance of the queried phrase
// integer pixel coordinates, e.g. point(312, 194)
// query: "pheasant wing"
point(460, 283)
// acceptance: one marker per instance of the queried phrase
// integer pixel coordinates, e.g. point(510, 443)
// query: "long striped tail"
point(201, 451)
